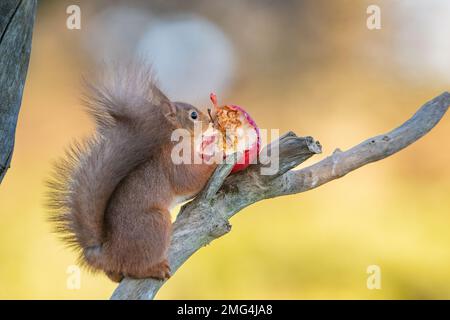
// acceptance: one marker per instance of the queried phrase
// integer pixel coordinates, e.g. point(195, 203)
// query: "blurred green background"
point(308, 66)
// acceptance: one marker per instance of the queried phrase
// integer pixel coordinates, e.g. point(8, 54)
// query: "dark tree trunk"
point(16, 28)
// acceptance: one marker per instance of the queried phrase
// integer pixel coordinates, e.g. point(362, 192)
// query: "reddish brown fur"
point(112, 195)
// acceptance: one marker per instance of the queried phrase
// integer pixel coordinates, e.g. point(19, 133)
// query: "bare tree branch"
point(16, 27)
point(206, 217)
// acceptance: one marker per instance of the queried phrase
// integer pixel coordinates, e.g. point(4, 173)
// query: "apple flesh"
point(233, 130)
point(251, 140)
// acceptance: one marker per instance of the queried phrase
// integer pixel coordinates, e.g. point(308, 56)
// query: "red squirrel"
point(112, 193)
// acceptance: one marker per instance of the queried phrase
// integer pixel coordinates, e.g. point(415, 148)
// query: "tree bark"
point(16, 28)
point(206, 217)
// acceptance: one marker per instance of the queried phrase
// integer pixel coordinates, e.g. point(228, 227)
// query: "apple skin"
point(250, 155)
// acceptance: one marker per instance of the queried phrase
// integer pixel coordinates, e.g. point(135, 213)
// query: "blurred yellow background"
point(312, 67)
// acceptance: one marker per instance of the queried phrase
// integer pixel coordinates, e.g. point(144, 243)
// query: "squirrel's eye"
point(194, 115)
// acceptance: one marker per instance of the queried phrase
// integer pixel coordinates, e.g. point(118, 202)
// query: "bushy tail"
point(126, 106)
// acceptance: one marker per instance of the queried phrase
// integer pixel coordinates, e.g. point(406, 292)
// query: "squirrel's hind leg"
point(139, 246)
point(159, 271)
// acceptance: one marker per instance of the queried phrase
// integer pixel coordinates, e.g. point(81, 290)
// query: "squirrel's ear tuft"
point(168, 109)
point(170, 113)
